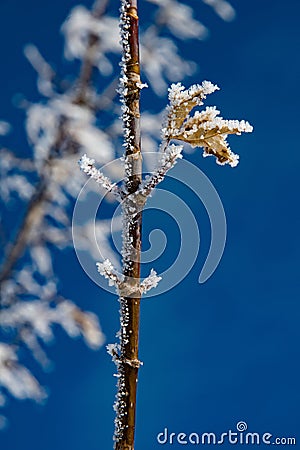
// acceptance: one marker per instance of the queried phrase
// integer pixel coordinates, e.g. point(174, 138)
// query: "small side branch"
point(150, 282)
point(126, 286)
point(167, 161)
point(87, 166)
point(113, 351)
point(107, 270)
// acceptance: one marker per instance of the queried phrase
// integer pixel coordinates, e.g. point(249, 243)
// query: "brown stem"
point(128, 363)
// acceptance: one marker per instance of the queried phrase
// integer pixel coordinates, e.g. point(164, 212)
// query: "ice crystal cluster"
point(79, 115)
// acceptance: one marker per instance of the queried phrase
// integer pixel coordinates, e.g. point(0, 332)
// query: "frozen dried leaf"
point(182, 101)
point(205, 128)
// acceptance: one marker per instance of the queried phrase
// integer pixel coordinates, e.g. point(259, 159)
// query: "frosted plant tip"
point(107, 270)
point(85, 162)
point(150, 282)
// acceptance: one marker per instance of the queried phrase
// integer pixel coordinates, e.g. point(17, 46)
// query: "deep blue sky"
point(217, 353)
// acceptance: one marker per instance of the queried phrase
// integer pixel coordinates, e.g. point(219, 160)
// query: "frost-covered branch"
point(87, 166)
point(223, 8)
point(40, 317)
point(46, 75)
point(32, 218)
point(81, 116)
point(113, 351)
point(130, 86)
point(16, 378)
point(124, 286)
point(107, 270)
point(167, 160)
point(150, 282)
point(56, 138)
